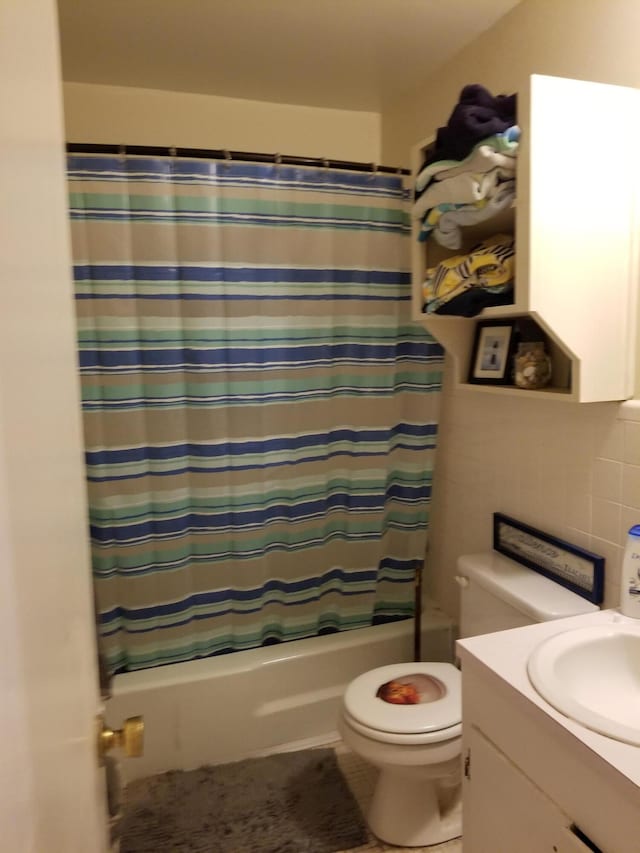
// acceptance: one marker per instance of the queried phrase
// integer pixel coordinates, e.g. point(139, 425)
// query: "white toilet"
point(417, 746)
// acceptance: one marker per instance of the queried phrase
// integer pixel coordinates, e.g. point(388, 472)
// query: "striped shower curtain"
point(260, 414)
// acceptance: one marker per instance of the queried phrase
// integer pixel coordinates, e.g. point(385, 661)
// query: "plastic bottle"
point(630, 579)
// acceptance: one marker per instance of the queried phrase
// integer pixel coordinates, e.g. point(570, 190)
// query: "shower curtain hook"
point(277, 159)
point(122, 152)
point(173, 150)
point(326, 162)
point(374, 170)
point(227, 157)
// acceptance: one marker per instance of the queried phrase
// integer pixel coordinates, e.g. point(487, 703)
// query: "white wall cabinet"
point(576, 223)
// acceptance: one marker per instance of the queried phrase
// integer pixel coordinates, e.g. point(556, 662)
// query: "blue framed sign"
point(574, 568)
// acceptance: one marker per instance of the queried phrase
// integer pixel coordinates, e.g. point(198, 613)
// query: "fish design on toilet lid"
point(407, 698)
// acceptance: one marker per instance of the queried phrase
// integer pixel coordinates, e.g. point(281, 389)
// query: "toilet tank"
point(497, 593)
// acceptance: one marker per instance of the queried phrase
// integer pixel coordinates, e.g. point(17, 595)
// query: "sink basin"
point(592, 675)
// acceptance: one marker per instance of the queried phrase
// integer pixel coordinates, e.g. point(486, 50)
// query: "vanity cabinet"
point(576, 236)
point(505, 811)
point(533, 780)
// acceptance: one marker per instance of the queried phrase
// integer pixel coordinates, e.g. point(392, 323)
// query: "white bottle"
point(630, 579)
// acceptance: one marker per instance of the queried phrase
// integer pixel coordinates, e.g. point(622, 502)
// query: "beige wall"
point(572, 470)
point(584, 39)
point(121, 115)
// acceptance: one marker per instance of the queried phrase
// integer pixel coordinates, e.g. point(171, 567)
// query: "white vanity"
point(535, 780)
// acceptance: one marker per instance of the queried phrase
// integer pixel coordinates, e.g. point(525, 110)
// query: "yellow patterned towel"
point(489, 266)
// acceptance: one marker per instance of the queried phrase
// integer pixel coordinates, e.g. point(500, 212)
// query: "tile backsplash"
point(570, 469)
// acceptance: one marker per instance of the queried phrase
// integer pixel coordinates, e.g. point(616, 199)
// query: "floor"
point(361, 778)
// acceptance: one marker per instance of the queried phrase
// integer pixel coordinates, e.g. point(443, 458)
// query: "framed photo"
point(574, 568)
point(491, 357)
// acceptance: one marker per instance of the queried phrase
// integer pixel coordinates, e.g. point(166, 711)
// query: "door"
point(51, 787)
point(504, 812)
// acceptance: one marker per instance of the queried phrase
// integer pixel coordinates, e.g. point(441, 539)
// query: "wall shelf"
point(575, 221)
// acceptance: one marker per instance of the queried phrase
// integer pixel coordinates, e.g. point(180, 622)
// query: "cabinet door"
point(504, 812)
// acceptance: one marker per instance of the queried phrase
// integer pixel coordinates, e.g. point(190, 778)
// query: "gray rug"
point(293, 802)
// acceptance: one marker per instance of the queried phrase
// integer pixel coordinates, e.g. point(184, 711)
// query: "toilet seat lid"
point(435, 685)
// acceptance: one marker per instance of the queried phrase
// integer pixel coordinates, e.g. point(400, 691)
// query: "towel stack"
point(465, 284)
point(468, 177)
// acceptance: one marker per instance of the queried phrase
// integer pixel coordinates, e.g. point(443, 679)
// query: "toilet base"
point(409, 811)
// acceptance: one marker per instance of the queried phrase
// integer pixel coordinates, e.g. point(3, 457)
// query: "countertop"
point(505, 653)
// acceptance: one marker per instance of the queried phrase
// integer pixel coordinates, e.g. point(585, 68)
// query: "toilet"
point(406, 718)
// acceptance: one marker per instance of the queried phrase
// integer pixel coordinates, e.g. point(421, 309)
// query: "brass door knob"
point(130, 738)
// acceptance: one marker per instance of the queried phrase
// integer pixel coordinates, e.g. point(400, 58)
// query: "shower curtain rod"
point(222, 154)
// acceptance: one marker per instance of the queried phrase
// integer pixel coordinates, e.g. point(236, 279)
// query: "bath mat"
point(292, 802)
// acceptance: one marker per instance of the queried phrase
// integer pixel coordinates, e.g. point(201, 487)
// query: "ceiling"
point(346, 54)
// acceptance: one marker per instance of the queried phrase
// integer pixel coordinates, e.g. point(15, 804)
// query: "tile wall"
point(572, 470)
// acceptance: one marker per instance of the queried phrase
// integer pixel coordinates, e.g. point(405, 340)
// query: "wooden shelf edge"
point(549, 393)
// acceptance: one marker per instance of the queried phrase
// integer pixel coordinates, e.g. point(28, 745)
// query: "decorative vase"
point(532, 366)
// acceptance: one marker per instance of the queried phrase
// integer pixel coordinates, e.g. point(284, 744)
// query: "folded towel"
point(501, 143)
point(433, 216)
point(464, 188)
point(489, 267)
point(482, 159)
point(449, 228)
point(477, 114)
point(507, 140)
point(472, 302)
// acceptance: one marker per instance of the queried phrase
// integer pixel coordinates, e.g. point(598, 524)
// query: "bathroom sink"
point(592, 675)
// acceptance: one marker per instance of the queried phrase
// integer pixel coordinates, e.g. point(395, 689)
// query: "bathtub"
point(276, 698)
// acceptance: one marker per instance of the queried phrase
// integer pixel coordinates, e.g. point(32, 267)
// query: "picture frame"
point(492, 353)
point(575, 568)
